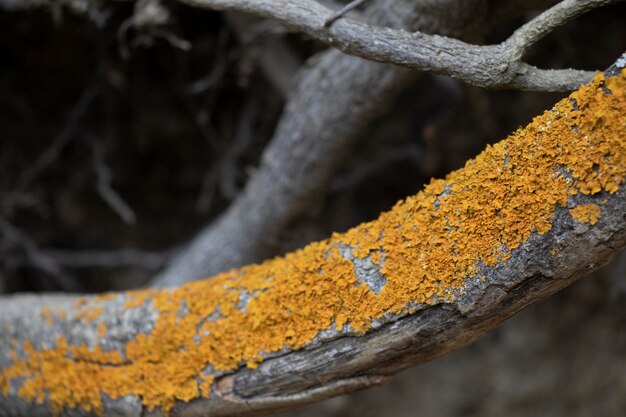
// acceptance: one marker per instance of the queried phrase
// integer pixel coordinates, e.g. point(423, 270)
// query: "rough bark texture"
point(485, 66)
point(585, 228)
point(336, 99)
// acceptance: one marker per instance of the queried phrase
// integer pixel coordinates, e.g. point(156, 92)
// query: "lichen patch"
point(586, 213)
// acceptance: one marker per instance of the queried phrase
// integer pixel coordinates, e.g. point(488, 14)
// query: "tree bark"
point(490, 66)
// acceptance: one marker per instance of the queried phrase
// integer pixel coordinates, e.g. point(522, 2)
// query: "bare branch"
point(104, 187)
point(337, 95)
point(558, 15)
point(276, 59)
point(225, 172)
point(37, 258)
point(342, 12)
point(492, 66)
point(149, 18)
point(61, 140)
point(524, 219)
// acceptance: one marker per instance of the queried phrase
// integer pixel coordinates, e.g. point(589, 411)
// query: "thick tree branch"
point(335, 99)
point(524, 219)
point(493, 66)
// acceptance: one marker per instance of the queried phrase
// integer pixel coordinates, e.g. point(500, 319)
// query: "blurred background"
point(119, 141)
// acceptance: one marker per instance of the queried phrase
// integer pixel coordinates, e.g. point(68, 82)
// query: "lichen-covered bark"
point(520, 221)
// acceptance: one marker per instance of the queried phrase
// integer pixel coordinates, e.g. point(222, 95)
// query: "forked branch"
point(491, 66)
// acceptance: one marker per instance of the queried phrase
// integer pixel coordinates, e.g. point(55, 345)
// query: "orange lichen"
point(47, 315)
point(586, 213)
point(88, 313)
point(376, 258)
point(205, 386)
point(102, 329)
point(427, 245)
point(136, 298)
point(52, 316)
point(81, 301)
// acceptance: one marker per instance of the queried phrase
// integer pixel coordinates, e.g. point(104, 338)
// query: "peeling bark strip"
point(522, 220)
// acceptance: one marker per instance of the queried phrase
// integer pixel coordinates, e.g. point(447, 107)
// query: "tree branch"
point(524, 219)
point(104, 183)
point(492, 66)
point(37, 257)
point(545, 23)
point(489, 66)
point(278, 62)
point(335, 99)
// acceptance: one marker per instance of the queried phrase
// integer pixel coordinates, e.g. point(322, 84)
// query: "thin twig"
point(224, 173)
point(104, 187)
point(558, 15)
point(271, 52)
point(37, 258)
point(62, 139)
point(343, 11)
point(149, 18)
point(222, 61)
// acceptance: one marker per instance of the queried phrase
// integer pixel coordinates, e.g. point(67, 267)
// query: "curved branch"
point(492, 66)
point(524, 219)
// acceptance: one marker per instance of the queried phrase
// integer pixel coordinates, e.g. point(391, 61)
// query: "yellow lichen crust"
point(426, 246)
point(586, 213)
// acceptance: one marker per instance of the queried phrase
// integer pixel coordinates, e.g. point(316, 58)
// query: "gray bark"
point(493, 66)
